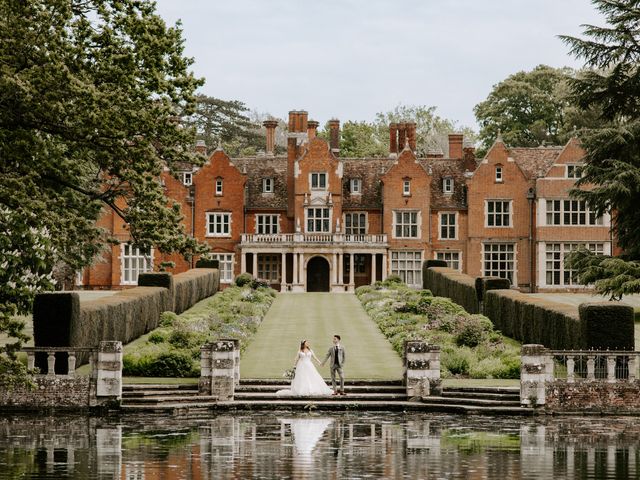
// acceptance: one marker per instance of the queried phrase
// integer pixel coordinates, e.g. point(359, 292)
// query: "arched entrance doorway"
point(318, 275)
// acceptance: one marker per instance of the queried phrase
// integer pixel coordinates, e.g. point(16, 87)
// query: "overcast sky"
point(352, 58)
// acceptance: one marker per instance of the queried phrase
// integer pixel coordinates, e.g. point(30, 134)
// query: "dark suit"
point(336, 365)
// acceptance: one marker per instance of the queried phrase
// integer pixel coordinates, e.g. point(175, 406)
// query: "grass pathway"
point(317, 317)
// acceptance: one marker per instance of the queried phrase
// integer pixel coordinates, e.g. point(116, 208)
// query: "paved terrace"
point(317, 317)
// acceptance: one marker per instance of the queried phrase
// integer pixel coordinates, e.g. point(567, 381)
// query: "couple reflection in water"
point(308, 431)
point(307, 381)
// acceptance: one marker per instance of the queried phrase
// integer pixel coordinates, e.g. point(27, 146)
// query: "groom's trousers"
point(337, 370)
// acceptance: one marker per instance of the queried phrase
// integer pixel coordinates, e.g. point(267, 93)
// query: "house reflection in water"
point(319, 446)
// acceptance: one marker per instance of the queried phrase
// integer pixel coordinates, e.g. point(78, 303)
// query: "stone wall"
point(598, 396)
point(58, 391)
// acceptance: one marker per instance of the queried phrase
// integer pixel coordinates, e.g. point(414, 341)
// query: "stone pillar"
point(351, 271)
point(301, 275)
point(534, 375)
point(236, 359)
point(109, 451)
point(255, 265)
point(295, 268)
point(217, 378)
point(373, 268)
point(243, 262)
point(283, 272)
point(340, 268)
point(334, 272)
point(384, 266)
point(109, 371)
point(422, 368)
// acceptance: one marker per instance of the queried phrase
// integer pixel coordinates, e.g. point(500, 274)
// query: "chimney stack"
point(271, 125)
point(411, 135)
point(201, 147)
point(334, 135)
point(402, 135)
point(393, 139)
point(455, 146)
point(312, 129)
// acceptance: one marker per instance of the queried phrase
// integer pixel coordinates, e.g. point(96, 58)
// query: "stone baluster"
point(533, 376)
point(571, 367)
point(633, 367)
point(422, 368)
point(591, 368)
point(51, 364)
point(31, 360)
point(611, 368)
point(71, 362)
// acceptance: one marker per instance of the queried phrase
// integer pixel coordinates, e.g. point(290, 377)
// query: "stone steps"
point(350, 396)
point(348, 388)
point(347, 382)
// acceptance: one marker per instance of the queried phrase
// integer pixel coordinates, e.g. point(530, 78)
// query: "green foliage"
point(467, 340)
point(235, 312)
point(243, 279)
point(531, 109)
point(445, 282)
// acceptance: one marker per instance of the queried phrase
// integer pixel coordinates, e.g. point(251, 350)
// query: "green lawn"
point(316, 317)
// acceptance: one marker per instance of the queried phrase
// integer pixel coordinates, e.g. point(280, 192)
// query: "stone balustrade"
point(422, 369)
point(313, 238)
point(219, 369)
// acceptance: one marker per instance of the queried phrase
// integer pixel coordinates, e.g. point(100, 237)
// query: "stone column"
point(255, 265)
point(373, 268)
point(340, 268)
point(384, 266)
point(295, 268)
point(283, 272)
point(243, 262)
point(334, 272)
point(236, 359)
point(218, 377)
point(534, 375)
point(351, 271)
point(109, 371)
point(301, 275)
point(422, 368)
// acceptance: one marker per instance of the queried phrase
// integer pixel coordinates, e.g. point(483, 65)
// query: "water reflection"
point(312, 446)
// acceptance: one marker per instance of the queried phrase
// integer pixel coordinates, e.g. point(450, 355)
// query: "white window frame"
point(443, 254)
point(219, 186)
point(447, 185)
point(270, 227)
point(407, 264)
point(358, 215)
point(409, 224)
point(355, 186)
point(130, 270)
point(406, 188)
point(315, 178)
point(499, 174)
point(448, 226)
point(496, 268)
point(561, 209)
point(571, 170)
point(226, 264)
point(217, 219)
point(315, 219)
point(509, 214)
point(553, 263)
point(269, 267)
point(267, 185)
point(187, 178)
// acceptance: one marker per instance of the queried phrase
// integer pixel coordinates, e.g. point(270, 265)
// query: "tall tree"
point(90, 97)
point(226, 122)
point(611, 175)
point(531, 109)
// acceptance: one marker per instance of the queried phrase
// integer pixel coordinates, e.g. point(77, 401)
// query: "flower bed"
point(173, 349)
point(470, 345)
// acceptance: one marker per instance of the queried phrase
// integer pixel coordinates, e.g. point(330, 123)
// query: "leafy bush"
point(167, 319)
point(157, 336)
point(243, 279)
point(470, 345)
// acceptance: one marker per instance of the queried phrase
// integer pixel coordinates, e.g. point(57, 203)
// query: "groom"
point(336, 354)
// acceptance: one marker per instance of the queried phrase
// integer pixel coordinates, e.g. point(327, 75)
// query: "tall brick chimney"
point(292, 155)
point(411, 135)
point(271, 125)
point(455, 145)
point(393, 138)
point(334, 135)
point(201, 147)
point(303, 121)
point(312, 129)
point(402, 135)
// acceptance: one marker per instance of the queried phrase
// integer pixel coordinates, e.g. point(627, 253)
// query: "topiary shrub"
point(434, 263)
point(204, 262)
point(484, 284)
point(243, 279)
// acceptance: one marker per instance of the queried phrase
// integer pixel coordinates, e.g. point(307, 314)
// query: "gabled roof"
point(258, 168)
point(535, 161)
point(442, 168)
point(369, 170)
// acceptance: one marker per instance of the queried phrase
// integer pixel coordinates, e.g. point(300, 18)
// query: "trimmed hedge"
point(207, 263)
point(192, 286)
point(484, 284)
point(608, 325)
point(445, 282)
point(435, 263)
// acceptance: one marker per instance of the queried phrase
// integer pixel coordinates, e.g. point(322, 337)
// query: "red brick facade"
point(312, 220)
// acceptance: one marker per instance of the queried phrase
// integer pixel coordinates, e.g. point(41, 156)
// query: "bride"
point(307, 381)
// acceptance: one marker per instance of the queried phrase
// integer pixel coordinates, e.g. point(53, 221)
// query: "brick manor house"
point(315, 221)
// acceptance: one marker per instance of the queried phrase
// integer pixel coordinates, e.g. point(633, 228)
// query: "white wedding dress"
point(307, 381)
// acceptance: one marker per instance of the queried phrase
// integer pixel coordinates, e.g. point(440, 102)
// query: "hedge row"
point(445, 282)
point(59, 319)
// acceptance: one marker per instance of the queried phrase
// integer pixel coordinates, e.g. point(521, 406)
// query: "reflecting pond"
point(324, 446)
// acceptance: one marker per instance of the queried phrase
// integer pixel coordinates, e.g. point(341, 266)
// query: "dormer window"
point(447, 185)
point(219, 186)
point(406, 187)
point(267, 185)
point(355, 185)
point(499, 178)
point(319, 181)
point(573, 171)
point(187, 178)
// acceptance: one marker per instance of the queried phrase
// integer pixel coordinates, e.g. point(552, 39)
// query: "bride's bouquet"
point(289, 374)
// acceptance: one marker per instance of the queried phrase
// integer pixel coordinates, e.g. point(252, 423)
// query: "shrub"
point(259, 283)
point(243, 279)
point(167, 319)
point(471, 334)
point(157, 336)
point(173, 364)
point(457, 361)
